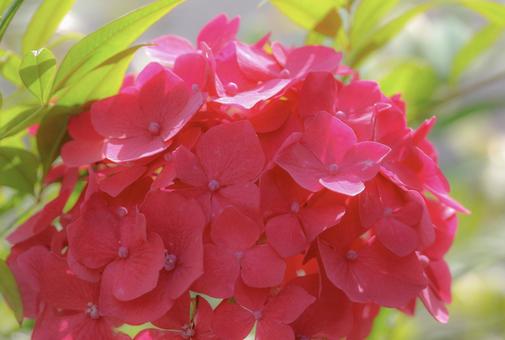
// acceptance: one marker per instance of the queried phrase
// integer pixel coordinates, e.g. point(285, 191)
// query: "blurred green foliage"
point(437, 53)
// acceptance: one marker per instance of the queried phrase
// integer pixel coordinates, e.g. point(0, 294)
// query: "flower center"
point(231, 89)
point(213, 185)
point(195, 88)
point(92, 311)
point(351, 255)
point(295, 207)
point(122, 252)
point(285, 73)
point(258, 314)
point(154, 128)
point(388, 212)
point(187, 331)
point(121, 211)
point(239, 255)
point(170, 261)
point(333, 168)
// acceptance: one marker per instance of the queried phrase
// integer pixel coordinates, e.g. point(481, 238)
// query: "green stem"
point(8, 16)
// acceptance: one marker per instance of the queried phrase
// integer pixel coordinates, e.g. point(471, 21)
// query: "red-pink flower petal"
point(262, 267)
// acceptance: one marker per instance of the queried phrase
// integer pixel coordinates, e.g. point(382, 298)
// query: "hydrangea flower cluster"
point(268, 178)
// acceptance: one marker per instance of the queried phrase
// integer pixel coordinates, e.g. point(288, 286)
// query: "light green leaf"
point(416, 80)
point(388, 31)
point(51, 135)
point(44, 23)
point(4, 4)
point(367, 16)
point(23, 117)
point(109, 40)
point(8, 16)
point(102, 82)
point(476, 46)
point(305, 13)
point(491, 10)
point(9, 67)
point(37, 71)
point(18, 169)
point(10, 291)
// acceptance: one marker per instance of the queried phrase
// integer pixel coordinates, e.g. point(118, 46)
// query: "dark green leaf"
point(10, 291)
point(109, 40)
point(51, 135)
point(18, 169)
point(8, 16)
point(44, 23)
point(37, 71)
point(477, 45)
point(23, 117)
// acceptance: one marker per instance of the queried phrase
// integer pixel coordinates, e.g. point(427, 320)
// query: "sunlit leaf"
point(102, 82)
point(22, 118)
point(37, 71)
point(367, 16)
point(10, 291)
point(18, 169)
point(491, 10)
point(9, 67)
point(305, 13)
point(8, 16)
point(44, 23)
point(4, 4)
point(416, 81)
point(476, 46)
point(109, 40)
point(388, 31)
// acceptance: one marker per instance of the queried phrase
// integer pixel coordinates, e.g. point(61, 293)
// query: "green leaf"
point(476, 46)
point(23, 117)
point(9, 67)
point(10, 291)
point(305, 13)
point(37, 71)
point(382, 35)
point(367, 16)
point(18, 169)
point(51, 136)
point(492, 11)
point(416, 81)
point(44, 23)
point(109, 40)
point(8, 16)
point(102, 82)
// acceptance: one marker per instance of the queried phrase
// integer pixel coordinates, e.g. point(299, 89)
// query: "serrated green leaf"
point(18, 169)
point(367, 16)
point(9, 67)
point(22, 117)
point(44, 23)
point(476, 46)
point(37, 71)
point(388, 31)
point(494, 12)
point(10, 291)
point(305, 13)
point(102, 82)
point(109, 40)
point(8, 16)
point(51, 135)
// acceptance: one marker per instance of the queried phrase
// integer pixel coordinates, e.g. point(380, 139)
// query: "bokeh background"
point(420, 62)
